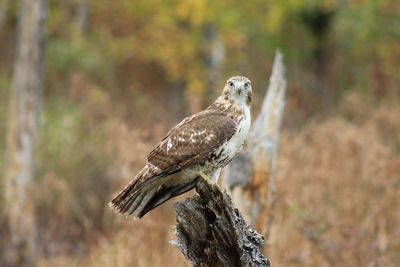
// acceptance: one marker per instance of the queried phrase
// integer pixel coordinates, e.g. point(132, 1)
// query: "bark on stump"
point(212, 232)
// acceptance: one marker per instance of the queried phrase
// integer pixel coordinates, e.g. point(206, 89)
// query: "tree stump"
point(211, 231)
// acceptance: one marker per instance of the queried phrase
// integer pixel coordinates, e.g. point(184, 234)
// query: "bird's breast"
point(243, 128)
point(230, 148)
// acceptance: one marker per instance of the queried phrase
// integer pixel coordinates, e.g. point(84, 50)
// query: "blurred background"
point(118, 74)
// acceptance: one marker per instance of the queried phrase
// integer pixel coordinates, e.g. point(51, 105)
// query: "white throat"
point(240, 102)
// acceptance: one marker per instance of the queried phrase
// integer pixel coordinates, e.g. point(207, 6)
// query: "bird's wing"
point(188, 143)
point(192, 141)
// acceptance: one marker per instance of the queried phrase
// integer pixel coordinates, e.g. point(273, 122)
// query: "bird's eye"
point(246, 85)
point(230, 84)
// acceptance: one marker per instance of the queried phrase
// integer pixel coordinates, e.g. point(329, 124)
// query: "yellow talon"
point(206, 178)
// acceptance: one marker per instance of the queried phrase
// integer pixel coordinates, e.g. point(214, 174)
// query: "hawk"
point(199, 146)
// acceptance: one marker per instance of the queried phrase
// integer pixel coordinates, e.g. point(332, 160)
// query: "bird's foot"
point(206, 178)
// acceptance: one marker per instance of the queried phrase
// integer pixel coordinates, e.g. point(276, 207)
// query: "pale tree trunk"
point(213, 56)
point(82, 16)
point(250, 176)
point(214, 61)
point(25, 102)
point(4, 6)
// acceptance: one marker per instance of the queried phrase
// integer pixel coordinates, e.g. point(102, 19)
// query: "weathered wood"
point(211, 231)
point(23, 117)
point(250, 177)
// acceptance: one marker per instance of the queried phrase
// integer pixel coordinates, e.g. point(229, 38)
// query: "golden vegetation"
point(338, 192)
point(113, 90)
point(337, 195)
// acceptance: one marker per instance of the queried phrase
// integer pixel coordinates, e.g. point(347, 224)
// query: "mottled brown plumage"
point(204, 142)
point(192, 140)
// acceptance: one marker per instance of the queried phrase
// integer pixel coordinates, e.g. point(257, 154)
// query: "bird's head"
point(238, 90)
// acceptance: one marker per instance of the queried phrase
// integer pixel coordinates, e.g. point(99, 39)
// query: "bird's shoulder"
point(194, 137)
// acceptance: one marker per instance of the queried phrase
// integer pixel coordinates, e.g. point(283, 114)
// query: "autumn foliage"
point(118, 78)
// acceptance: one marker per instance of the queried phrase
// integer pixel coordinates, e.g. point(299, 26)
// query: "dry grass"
point(339, 193)
point(130, 243)
point(338, 198)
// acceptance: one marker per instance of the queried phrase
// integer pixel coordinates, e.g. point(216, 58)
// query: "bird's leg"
point(206, 178)
point(215, 175)
point(215, 178)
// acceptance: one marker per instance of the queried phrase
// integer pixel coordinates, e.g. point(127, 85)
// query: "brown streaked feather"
point(205, 141)
point(189, 143)
point(192, 140)
point(128, 193)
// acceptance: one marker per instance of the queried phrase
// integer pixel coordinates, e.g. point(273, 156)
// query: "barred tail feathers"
point(135, 195)
point(143, 195)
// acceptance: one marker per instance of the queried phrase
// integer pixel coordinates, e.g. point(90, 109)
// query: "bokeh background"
point(118, 74)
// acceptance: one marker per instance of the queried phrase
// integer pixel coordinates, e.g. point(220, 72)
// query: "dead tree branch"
point(250, 177)
point(212, 232)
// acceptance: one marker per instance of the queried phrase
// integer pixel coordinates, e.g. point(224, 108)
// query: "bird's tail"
point(164, 193)
point(137, 200)
point(133, 198)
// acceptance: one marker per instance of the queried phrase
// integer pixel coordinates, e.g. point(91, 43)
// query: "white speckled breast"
point(235, 144)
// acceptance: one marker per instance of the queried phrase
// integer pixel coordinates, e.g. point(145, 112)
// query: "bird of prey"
point(199, 146)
